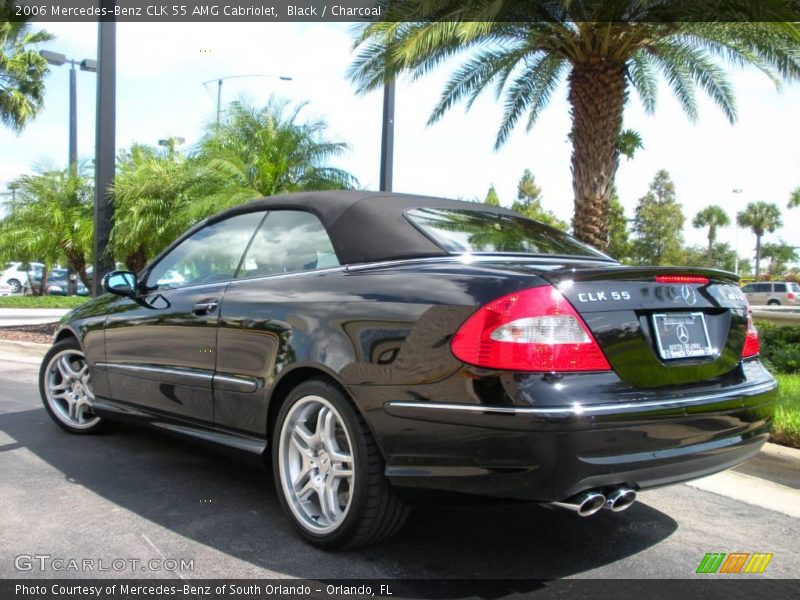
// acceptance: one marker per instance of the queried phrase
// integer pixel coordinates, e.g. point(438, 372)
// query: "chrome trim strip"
point(190, 374)
point(229, 383)
point(479, 258)
point(580, 411)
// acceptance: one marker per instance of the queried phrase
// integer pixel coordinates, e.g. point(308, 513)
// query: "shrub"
point(780, 347)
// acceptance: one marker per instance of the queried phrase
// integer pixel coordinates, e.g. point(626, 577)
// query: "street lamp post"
point(105, 146)
point(736, 192)
point(87, 64)
point(387, 137)
point(219, 81)
point(58, 59)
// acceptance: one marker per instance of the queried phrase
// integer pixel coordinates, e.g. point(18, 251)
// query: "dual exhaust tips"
point(588, 503)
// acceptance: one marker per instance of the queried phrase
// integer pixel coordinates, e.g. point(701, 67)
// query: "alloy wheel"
point(68, 389)
point(316, 464)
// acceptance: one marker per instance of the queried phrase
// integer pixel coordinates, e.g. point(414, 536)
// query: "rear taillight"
point(532, 330)
point(790, 295)
point(681, 279)
point(751, 344)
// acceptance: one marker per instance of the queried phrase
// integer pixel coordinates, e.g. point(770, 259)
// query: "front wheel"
point(328, 470)
point(66, 388)
point(774, 303)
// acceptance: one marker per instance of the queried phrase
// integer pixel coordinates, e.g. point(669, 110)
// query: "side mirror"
point(122, 283)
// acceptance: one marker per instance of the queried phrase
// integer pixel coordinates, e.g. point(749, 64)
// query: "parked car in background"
point(57, 284)
point(5, 289)
point(370, 345)
point(15, 274)
point(772, 293)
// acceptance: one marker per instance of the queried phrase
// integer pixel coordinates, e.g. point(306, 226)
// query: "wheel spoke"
point(306, 490)
point(57, 388)
point(337, 472)
point(329, 500)
point(64, 368)
point(337, 456)
point(309, 439)
point(321, 416)
point(329, 431)
point(298, 441)
point(301, 476)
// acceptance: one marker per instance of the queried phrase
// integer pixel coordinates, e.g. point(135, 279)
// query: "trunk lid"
point(660, 333)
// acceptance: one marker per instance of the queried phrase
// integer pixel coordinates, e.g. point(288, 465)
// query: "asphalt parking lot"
point(138, 494)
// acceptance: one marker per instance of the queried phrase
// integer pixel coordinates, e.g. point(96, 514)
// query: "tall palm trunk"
point(712, 235)
point(597, 94)
point(758, 255)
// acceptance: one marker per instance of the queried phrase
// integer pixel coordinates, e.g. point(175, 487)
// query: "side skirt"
point(119, 411)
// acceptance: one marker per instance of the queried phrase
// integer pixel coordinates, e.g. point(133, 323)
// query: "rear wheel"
point(15, 285)
point(328, 470)
point(66, 388)
point(774, 303)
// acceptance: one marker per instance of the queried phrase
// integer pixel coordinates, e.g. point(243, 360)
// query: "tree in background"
point(529, 202)
point(658, 224)
point(619, 245)
point(779, 255)
point(713, 217)
point(724, 257)
point(153, 194)
point(761, 218)
point(491, 197)
point(526, 49)
point(794, 199)
point(51, 220)
point(22, 70)
point(267, 150)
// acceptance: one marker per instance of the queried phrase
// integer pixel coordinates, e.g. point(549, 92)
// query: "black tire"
point(94, 424)
point(16, 286)
point(774, 303)
point(375, 513)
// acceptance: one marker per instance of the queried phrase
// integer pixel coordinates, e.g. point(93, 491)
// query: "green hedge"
point(780, 347)
point(41, 301)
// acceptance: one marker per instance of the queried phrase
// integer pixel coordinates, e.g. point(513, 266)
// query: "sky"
point(160, 93)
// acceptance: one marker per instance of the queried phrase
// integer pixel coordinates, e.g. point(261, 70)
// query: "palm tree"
point(794, 199)
point(780, 255)
point(760, 217)
point(601, 49)
point(50, 219)
point(713, 217)
point(22, 71)
point(152, 194)
point(261, 151)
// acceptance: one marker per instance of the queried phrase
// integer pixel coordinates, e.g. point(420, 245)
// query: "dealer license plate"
point(682, 335)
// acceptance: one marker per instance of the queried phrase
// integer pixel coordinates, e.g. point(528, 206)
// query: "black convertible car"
point(370, 344)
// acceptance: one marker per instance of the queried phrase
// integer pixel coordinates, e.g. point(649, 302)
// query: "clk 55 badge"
point(603, 296)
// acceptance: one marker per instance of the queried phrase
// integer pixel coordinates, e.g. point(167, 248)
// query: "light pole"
point(105, 145)
point(87, 64)
point(387, 137)
point(219, 81)
point(736, 192)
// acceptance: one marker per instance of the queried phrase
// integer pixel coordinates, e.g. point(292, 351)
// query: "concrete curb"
point(24, 352)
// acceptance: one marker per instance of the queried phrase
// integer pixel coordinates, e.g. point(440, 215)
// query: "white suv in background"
point(772, 293)
point(14, 276)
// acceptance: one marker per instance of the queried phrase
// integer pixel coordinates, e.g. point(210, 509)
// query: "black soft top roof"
point(366, 226)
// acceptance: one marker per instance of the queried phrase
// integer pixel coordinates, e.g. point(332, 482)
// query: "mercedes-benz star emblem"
point(688, 295)
point(683, 334)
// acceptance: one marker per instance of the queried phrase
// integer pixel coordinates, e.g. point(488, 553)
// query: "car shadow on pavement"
point(226, 501)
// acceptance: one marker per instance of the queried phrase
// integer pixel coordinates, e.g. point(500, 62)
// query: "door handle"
point(204, 308)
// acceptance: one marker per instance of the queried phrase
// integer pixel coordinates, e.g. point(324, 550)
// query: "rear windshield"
point(478, 231)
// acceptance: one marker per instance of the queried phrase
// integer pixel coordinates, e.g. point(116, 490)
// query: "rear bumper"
point(551, 453)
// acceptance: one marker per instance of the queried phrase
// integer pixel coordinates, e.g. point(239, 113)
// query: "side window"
point(749, 288)
point(779, 287)
point(209, 255)
point(288, 241)
point(763, 288)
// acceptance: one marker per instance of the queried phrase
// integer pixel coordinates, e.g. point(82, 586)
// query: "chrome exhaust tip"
point(585, 504)
point(620, 499)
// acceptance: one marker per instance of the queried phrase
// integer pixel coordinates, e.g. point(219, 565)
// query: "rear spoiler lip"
point(636, 274)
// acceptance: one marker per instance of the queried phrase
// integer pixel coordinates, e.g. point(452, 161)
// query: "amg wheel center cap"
point(324, 462)
point(77, 388)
